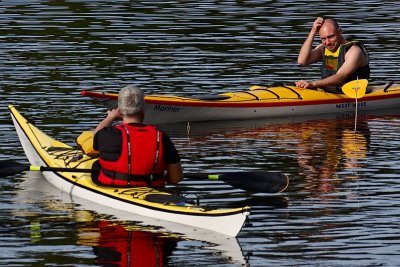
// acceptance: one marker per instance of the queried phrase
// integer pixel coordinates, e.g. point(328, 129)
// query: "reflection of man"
point(342, 61)
point(119, 247)
point(327, 147)
point(317, 152)
point(354, 148)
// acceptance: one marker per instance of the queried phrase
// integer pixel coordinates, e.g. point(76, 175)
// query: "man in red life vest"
point(342, 60)
point(132, 153)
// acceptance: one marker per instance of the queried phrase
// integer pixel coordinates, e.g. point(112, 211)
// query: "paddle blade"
point(356, 88)
point(8, 168)
point(257, 182)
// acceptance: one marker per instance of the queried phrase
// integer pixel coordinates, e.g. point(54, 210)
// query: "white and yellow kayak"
point(42, 150)
point(259, 102)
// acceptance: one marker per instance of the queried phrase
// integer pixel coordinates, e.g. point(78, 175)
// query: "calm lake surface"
point(342, 207)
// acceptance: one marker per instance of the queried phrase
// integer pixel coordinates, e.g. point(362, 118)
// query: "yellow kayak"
point(43, 150)
point(258, 102)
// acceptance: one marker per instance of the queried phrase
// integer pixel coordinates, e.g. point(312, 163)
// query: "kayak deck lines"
point(273, 90)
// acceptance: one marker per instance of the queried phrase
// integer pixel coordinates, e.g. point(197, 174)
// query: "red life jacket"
point(141, 160)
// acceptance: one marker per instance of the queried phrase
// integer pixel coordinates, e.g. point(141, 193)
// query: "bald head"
point(330, 26)
point(331, 35)
point(332, 22)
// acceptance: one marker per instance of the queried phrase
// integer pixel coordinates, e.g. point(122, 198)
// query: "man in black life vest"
point(132, 153)
point(342, 61)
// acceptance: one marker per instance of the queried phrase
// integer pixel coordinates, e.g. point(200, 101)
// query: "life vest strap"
point(131, 177)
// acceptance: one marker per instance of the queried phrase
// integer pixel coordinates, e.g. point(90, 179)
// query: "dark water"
point(342, 207)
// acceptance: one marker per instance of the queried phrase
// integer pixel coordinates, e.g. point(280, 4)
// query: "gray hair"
point(130, 100)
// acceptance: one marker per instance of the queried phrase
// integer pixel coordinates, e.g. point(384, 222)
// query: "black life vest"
point(332, 61)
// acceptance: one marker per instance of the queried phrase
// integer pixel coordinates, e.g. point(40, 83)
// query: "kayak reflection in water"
point(119, 246)
point(132, 153)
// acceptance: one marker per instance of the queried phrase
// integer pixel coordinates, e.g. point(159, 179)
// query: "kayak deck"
point(259, 94)
point(42, 150)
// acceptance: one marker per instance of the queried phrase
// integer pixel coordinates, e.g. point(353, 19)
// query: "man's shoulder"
point(106, 136)
point(110, 130)
point(354, 51)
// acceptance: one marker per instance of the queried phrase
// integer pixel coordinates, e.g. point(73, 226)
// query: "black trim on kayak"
point(243, 209)
point(280, 84)
point(291, 89)
point(253, 95)
point(388, 85)
point(269, 91)
point(210, 97)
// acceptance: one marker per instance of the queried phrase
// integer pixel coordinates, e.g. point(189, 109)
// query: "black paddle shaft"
point(255, 181)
